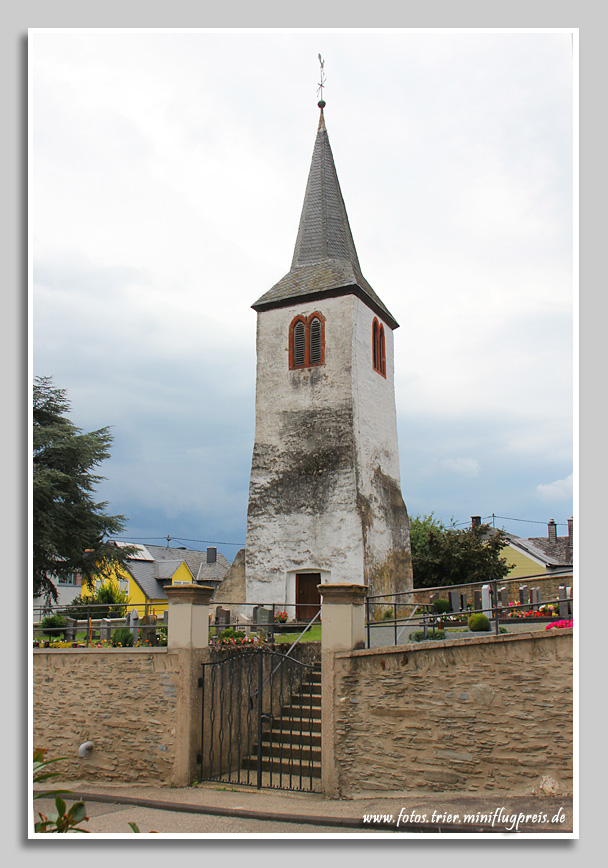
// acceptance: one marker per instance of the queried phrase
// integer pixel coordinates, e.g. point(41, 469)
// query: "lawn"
point(312, 635)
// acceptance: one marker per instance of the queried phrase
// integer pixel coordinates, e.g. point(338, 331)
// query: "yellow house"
point(535, 556)
point(550, 555)
point(152, 568)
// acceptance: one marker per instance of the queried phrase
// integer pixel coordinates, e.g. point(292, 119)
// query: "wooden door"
point(308, 601)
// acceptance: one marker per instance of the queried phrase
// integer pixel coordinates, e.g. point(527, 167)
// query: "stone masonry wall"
point(489, 715)
point(125, 702)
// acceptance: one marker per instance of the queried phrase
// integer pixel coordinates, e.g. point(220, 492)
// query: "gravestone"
point(455, 601)
point(503, 598)
point(71, 628)
point(148, 629)
point(477, 600)
point(133, 623)
point(263, 618)
point(564, 606)
point(486, 600)
point(535, 598)
point(524, 596)
point(105, 630)
point(222, 619)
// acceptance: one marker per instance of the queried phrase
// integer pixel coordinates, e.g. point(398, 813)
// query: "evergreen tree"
point(447, 556)
point(70, 530)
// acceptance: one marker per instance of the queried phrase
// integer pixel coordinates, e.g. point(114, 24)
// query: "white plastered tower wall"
point(325, 489)
point(387, 557)
point(303, 488)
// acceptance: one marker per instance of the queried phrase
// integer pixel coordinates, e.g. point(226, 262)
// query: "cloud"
point(167, 187)
point(561, 489)
point(461, 466)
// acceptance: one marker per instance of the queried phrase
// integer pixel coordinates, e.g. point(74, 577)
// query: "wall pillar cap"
point(196, 595)
point(343, 592)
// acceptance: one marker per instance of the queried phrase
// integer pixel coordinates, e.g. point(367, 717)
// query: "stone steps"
point(291, 746)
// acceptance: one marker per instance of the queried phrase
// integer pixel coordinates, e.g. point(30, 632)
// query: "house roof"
point(325, 262)
point(154, 570)
point(553, 553)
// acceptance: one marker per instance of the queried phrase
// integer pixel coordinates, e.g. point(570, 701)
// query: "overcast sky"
point(167, 176)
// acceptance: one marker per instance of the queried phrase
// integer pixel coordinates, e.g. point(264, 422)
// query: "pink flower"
point(559, 624)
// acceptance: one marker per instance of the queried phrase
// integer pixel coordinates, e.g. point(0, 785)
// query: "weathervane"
point(322, 82)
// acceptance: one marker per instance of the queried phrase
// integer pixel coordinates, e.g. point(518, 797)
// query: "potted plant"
point(280, 623)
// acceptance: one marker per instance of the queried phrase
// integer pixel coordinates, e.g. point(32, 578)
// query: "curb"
point(300, 819)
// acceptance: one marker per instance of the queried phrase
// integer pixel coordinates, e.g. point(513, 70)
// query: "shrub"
point(54, 626)
point(231, 633)
point(441, 606)
point(479, 623)
point(108, 601)
point(419, 636)
point(123, 637)
point(63, 819)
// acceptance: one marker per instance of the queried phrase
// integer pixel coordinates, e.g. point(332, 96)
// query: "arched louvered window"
point(378, 348)
point(299, 344)
point(307, 341)
point(315, 341)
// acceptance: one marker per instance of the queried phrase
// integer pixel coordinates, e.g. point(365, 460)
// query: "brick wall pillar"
point(343, 620)
point(188, 637)
point(343, 615)
point(188, 616)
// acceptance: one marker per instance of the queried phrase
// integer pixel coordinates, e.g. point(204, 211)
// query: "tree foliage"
point(449, 556)
point(109, 601)
point(70, 529)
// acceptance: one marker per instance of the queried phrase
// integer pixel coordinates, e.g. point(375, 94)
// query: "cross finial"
point(322, 82)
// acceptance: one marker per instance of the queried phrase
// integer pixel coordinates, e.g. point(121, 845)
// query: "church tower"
point(325, 501)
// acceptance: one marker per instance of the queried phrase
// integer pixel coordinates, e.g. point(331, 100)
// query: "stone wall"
point(476, 716)
point(141, 709)
point(134, 706)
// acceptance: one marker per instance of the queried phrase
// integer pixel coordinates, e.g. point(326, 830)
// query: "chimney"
point(552, 528)
point(211, 554)
point(475, 521)
point(571, 532)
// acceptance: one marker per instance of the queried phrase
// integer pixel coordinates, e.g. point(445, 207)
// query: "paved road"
point(220, 811)
point(113, 818)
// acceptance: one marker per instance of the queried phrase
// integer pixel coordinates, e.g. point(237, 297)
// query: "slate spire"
point(325, 261)
point(324, 231)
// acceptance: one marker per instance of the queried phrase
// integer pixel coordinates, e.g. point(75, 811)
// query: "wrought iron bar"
point(260, 689)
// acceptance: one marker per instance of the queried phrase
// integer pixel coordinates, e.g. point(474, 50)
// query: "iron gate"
point(261, 721)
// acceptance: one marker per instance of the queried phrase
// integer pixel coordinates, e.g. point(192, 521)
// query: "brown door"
point(308, 601)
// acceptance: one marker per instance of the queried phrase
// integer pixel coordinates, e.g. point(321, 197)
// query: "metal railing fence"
point(94, 624)
point(417, 609)
point(265, 619)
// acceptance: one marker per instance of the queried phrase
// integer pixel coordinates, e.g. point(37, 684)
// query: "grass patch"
point(312, 635)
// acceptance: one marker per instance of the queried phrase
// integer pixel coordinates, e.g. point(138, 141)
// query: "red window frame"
point(378, 348)
point(307, 320)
